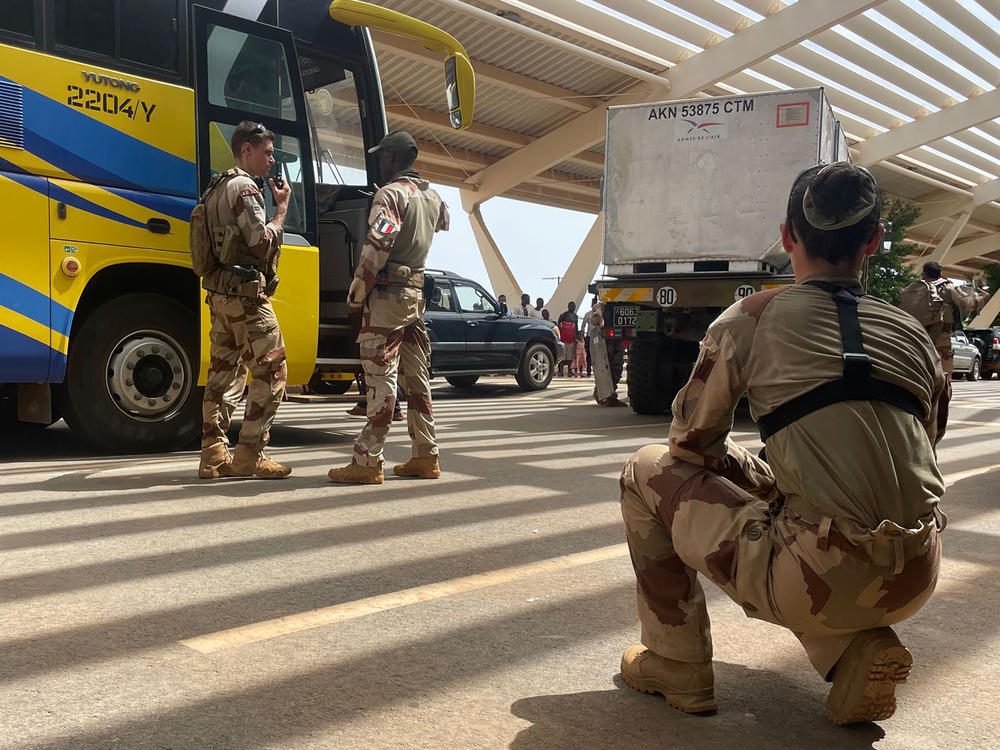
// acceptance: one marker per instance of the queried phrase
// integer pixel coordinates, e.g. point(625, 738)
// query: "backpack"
point(567, 332)
point(922, 300)
point(203, 256)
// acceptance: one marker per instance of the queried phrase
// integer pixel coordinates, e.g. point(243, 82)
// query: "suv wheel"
point(462, 381)
point(536, 368)
point(973, 373)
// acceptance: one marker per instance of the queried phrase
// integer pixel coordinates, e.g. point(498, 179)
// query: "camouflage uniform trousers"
point(940, 334)
point(393, 335)
point(245, 338)
point(805, 575)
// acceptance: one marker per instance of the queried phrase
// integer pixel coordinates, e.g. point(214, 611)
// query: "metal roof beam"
point(984, 193)
point(486, 73)
point(930, 128)
point(404, 113)
point(759, 41)
point(968, 250)
point(561, 44)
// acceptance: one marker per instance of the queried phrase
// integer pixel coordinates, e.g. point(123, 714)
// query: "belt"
point(889, 545)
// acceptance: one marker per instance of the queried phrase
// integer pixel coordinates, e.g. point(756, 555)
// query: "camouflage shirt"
point(239, 201)
point(864, 461)
point(404, 217)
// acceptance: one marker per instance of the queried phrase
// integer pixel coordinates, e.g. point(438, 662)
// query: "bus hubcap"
point(149, 376)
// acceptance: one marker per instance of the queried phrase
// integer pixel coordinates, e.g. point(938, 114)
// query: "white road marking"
point(260, 631)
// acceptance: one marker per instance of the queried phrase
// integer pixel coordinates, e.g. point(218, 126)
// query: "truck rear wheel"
point(657, 368)
point(131, 376)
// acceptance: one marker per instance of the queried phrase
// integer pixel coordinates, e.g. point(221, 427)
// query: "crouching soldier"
point(835, 537)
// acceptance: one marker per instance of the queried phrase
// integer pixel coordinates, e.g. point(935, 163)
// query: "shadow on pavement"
point(627, 720)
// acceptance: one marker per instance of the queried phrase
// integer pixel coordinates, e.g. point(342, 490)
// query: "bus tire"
point(131, 376)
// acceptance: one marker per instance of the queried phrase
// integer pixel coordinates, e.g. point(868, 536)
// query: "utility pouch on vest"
point(229, 248)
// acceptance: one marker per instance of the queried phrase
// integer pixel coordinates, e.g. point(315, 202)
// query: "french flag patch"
point(385, 225)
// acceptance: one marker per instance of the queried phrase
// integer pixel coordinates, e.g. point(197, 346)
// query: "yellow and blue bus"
point(113, 116)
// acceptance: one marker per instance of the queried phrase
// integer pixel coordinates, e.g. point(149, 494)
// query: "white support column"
point(501, 277)
point(988, 313)
point(582, 268)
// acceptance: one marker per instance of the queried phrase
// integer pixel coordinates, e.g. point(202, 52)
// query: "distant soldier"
point(606, 357)
point(835, 537)
point(940, 306)
point(389, 283)
point(244, 328)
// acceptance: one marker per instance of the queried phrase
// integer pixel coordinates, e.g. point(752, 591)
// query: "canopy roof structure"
point(913, 82)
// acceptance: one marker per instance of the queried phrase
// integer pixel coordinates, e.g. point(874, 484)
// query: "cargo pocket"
point(752, 579)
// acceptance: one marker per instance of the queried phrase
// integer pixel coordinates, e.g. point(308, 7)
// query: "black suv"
point(987, 341)
point(470, 338)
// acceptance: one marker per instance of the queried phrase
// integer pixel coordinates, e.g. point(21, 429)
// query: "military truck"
point(694, 194)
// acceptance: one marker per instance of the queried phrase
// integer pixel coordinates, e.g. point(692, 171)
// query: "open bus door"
point(244, 70)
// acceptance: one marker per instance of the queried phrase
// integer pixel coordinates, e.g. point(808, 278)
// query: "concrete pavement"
point(141, 608)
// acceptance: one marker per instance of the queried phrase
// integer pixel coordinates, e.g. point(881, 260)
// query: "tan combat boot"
point(865, 678)
point(356, 474)
point(688, 686)
point(426, 467)
point(215, 462)
point(249, 462)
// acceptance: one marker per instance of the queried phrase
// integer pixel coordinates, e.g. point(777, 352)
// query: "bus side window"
point(86, 25)
point(147, 32)
point(19, 17)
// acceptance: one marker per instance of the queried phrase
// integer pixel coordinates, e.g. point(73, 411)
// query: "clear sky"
point(537, 241)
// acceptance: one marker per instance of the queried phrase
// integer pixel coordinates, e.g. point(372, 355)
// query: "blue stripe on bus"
point(35, 305)
point(61, 136)
point(176, 208)
point(72, 199)
point(6, 166)
point(24, 359)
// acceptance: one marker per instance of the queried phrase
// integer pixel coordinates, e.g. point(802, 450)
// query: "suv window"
point(471, 299)
point(442, 301)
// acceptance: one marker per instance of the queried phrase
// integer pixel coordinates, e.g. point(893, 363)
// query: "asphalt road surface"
point(142, 608)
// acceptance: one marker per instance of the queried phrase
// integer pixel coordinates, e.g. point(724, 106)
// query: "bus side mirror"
point(460, 89)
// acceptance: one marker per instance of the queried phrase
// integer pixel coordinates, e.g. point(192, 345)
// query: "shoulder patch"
point(384, 225)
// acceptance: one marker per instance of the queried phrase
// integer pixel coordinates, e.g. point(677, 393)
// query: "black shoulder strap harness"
point(856, 384)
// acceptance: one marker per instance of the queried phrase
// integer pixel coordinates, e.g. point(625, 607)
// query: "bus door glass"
point(342, 192)
point(243, 73)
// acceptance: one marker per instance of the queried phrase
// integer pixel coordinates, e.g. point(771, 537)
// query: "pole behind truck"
point(694, 194)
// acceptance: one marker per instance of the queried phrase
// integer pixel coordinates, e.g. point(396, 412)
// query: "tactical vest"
point(240, 272)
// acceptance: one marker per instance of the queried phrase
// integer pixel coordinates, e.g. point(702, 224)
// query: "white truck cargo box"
point(708, 179)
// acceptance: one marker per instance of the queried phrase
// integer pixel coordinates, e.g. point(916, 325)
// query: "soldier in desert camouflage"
point(388, 283)
point(835, 537)
point(245, 336)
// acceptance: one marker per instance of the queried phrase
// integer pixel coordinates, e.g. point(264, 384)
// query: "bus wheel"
point(131, 376)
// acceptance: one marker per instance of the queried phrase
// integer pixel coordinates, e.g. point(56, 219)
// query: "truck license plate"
point(625, 316)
